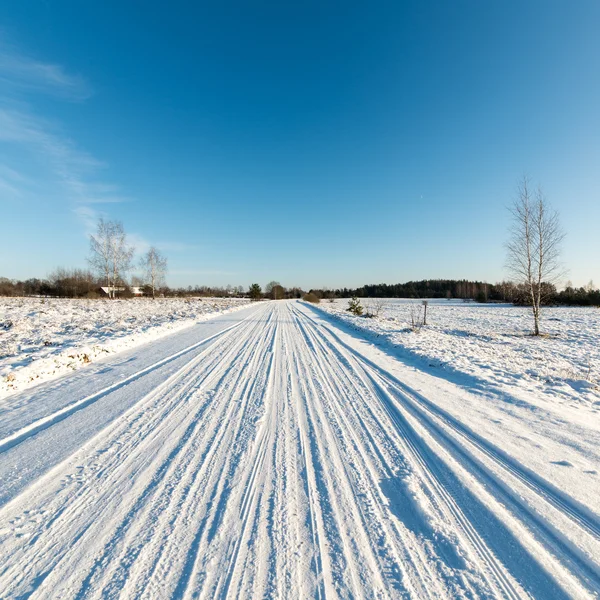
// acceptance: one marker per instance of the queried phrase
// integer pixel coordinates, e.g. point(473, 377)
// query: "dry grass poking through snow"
point(492, 343)
point(43, 338)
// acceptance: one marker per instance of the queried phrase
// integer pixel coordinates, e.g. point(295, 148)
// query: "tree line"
point(463, 289)
point(533, 258)
point(533, 252)
point(82, 283)
point(111, 261)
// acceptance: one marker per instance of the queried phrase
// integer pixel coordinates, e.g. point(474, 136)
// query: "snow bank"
point(492, 343)
point(44, 338)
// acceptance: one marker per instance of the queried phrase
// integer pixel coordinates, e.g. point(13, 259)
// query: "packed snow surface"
point(277, 452)
point(41, 338)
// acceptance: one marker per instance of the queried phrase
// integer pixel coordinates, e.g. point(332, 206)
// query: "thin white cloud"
point(21, 128)
point(77, 173)
point(74, 169)
point(9, 191)
point(20, 73)
point(12, 174)
point(11, 183)
point(89, 217)
point(139, 243)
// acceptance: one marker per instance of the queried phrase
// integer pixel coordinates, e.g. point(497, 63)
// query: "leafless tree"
point(374, 308)
point(534, 246)
point(379, 304)
point(154, 265)
point(275, 290)
point(111, 255)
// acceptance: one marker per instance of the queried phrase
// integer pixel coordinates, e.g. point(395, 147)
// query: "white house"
point(110, 290)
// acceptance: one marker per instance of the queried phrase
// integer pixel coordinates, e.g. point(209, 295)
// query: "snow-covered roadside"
point(534, 445)
point(554, 438)
point(492, 345)
point(44, 338)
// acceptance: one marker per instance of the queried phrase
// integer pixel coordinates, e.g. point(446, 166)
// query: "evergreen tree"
point(354, 306)
point(255, 292)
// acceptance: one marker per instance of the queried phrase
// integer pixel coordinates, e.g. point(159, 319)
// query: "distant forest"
point(468, 290)
point(76, 283)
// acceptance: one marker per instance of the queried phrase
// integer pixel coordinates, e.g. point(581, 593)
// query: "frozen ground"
point(277, 453)
point(44, 338)
point(491, 345)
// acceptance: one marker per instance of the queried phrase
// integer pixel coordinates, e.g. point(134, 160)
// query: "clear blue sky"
point(316, 143)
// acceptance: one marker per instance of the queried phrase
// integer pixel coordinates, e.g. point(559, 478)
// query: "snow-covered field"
point(279, 453)
point(44, 338)
point(492, 345)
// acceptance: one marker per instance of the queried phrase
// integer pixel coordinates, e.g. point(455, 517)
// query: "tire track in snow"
point(137, 438)
point(363, 446)
point(199, 575)
point(417, 578)
point(325, 394)
point(553, 540)
point(347, 551)
point(32, 429)
point(411, 564)
point(566, 505)
point(209, 459)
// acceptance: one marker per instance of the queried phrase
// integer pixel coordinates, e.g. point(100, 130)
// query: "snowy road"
point(267, 454)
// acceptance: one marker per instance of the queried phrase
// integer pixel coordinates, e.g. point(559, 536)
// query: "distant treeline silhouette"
point(79, 283)
point(468, 290)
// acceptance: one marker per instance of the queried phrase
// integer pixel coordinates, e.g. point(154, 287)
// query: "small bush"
point(417, 316)
point(310, 297)
point(355, 307)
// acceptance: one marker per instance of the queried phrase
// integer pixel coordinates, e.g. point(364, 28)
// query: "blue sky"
point(316, 143)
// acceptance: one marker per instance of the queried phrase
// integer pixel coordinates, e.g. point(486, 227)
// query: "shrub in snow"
point(374, 308)
point(355, 307)
point(417, 318)
point(310, 297)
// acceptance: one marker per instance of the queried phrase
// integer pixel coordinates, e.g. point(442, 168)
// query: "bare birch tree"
point(154, 265)
point(534, 246)
point(275, 290)
point(100, 251)
point(111, 255)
